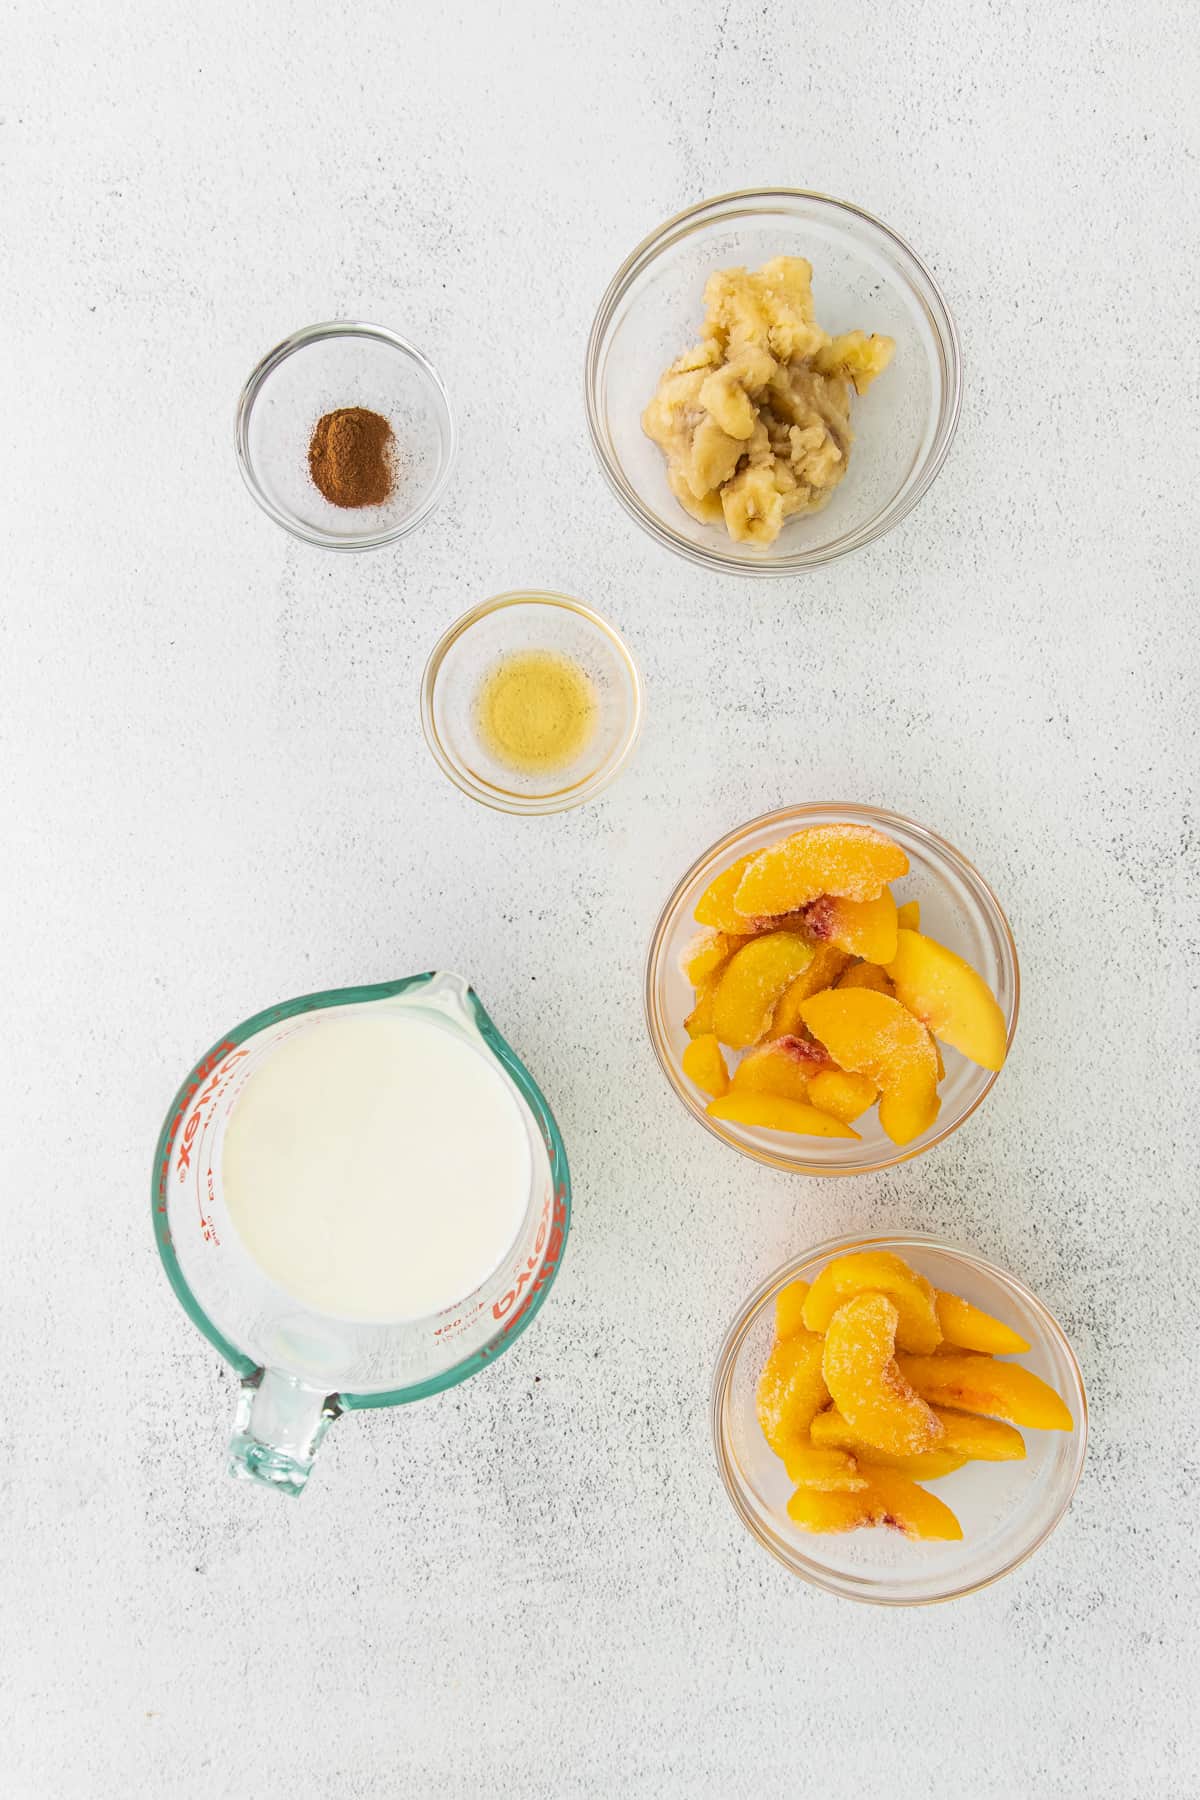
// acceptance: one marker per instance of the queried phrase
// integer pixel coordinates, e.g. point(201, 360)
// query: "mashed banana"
point(755, 419)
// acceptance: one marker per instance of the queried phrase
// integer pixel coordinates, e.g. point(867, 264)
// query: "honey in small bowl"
point(536, 710)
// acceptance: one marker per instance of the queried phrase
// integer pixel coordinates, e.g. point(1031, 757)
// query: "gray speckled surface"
point(215, 794)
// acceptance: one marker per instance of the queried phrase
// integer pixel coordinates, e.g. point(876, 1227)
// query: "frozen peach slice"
point(820, 1511)
point(853, 860)
point(875, 1036)
point(972, 1329)
point(877, 1272)
point(707, 954)
point(908, 916)
point(791, 1391)
point(704, 1064)
point(829, 1431)
point(784, 1066)
point(866, 975)
point(896, 1501)
point(976, 1384)
point(751, 983)
point(946, 994)
point(826, 965)
point(789, 1309)
point(865, 1382)
point(830, 1471)
point(865, 928)
point(700, 1019)
point(839, 1092)
point(715, 905)
point(964, 1435)
point(772, 1112)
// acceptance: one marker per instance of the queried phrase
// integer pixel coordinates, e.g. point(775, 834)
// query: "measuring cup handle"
point(278, 1430)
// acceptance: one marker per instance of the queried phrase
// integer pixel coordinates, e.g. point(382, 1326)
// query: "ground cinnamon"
point(352, 457)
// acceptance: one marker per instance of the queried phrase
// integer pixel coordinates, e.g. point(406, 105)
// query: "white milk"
point(376, 1166)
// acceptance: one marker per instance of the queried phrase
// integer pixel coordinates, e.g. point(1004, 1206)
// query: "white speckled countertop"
point(216, 795)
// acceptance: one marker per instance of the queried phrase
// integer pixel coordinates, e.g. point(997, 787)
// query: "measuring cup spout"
point(278, 1430)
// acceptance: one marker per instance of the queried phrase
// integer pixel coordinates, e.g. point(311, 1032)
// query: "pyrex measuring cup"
point(301, 1368)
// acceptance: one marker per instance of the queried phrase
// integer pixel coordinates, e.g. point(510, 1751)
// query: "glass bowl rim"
point(748, 1314)
point(881, 817)
point(948, 409)
point(503, 799)
point(257, 380)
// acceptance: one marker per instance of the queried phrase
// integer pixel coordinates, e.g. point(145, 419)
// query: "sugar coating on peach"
point(791, 1391)
point(704, 1065)
point(875, 1036)
point(948, 996)
point(852, 860)
point(973, 1329)
point(866, 975)
point(830, 1471)
point(715, 906)
point(826, 965)
point(845, 1095)
point(865, 928)
point(774, 1112)
point(830, 1431)
point(784, 1066)
point(878, 1272)
point(789, 1309)
point(751, 984)
point(977, 1384)
point(865, 1382)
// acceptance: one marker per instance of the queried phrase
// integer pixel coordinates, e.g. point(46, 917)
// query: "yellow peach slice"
point(976, 1384)
point(700, 1020)
point(839, 1092)
point(964, 1435)
point(715, 905)
point(789, 1309)
point(908, 916)
point(853, 860)
point(972, 1329)
point(865, 1382)
point(707, 954)
point(877, 1272)
point(704, 1064)
point(866, 975)
point(827, 964)
point(896, 1501)
point(784, 1066)
point(830, 1471)
point(820, 1511)
point(791, 1391)
point(751, 984)
point(875, 1036)
point(772, 1112)
point(946, 994)
point(829, 1431)
point(865, 928)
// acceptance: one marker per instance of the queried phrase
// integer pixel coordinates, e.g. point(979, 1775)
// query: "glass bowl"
point(864, 276)
point(958, 908)
point(1007, 1509)
point(314, 372)
point(471, 649)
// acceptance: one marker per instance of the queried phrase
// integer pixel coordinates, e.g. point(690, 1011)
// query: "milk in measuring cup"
point(376, 1166)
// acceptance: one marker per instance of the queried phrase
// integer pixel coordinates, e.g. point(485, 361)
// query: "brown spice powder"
point(352, 457)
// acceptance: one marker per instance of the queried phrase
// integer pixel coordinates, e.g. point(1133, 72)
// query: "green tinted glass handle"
point(278, 1430)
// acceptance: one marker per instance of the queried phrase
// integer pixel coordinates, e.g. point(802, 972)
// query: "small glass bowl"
point(864, 276)
point(465, 656)
point(958, 908)
point(313, 372)
point(1007, 1509)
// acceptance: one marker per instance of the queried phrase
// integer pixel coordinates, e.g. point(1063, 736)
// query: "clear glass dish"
point(463, 658)
point(315, 371)
point(1007, 1509)
point(958, 908)
point(864, 276)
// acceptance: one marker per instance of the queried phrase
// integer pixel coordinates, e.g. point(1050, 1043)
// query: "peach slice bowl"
point(958, 909)
point(1007, 1509)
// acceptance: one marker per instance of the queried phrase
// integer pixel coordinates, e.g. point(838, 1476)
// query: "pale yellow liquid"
point(536, 711)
